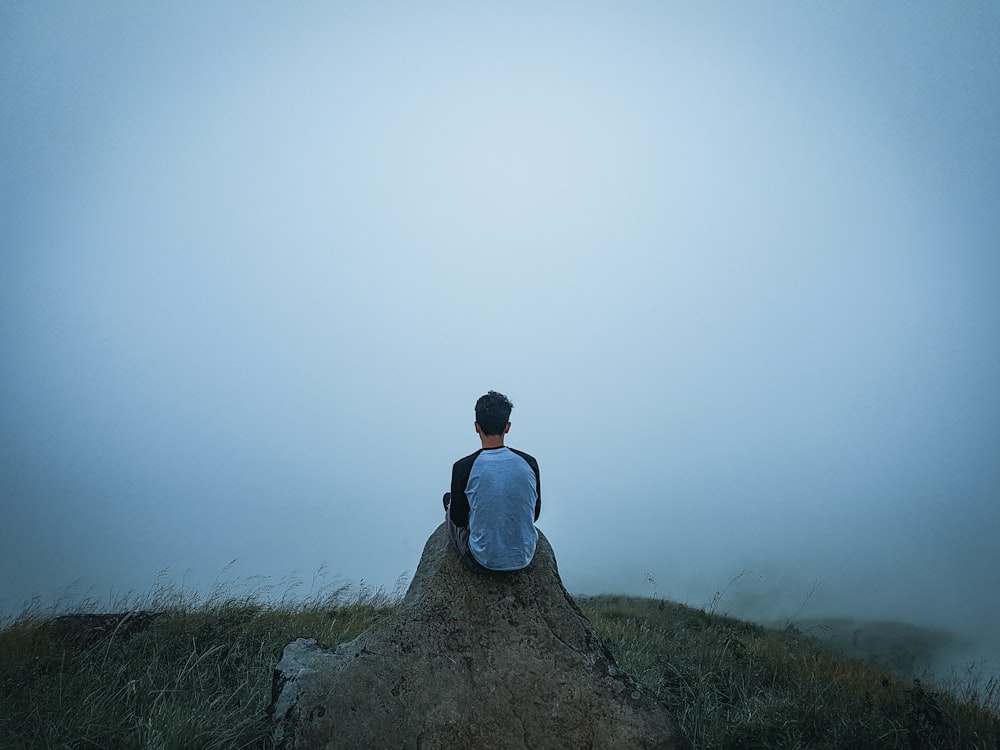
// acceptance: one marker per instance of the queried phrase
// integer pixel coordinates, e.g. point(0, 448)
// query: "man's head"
point(493, 413)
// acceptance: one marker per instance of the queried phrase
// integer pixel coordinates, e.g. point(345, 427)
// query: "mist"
point(736, 266)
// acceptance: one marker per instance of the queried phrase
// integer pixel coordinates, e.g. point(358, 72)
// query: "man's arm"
point(459, 508)
point(538, 488)
point(538, 479)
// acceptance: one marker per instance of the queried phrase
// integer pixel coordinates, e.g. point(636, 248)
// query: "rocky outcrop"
point(468, 661)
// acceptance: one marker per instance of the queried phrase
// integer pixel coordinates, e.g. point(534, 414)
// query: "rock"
point(468, 661)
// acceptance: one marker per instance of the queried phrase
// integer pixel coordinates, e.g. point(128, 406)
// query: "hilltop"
point(198, 675)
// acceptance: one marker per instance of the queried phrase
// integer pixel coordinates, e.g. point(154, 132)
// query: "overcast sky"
point(736, 265)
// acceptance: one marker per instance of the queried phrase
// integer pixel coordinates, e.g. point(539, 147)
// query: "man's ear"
point(479, 430)
point(506, 429)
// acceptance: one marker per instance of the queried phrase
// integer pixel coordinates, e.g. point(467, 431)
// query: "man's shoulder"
point(527, 457)
point(467, 460)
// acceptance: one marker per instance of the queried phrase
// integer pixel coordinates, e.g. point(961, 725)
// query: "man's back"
point(496, 492)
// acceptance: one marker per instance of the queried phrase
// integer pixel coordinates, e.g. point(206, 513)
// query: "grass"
point(736, 685)
point(198, 675)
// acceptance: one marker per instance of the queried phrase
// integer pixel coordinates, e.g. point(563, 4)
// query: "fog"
point(736, 265)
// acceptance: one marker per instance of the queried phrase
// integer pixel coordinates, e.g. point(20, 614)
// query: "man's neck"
point(491, 441)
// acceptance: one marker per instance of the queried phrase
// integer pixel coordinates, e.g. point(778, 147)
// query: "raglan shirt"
point(496, 492)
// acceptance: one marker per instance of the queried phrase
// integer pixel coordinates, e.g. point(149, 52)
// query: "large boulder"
point(468, 661)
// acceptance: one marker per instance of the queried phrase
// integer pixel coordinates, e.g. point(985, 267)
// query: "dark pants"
point(459, 536)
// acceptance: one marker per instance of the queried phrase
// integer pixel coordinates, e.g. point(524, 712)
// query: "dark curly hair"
point(493, 412)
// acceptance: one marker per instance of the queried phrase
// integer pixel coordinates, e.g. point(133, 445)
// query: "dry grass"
point(737, 685)
point(198, 675)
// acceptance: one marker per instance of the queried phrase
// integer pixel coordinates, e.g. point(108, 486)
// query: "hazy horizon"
point(736, 266)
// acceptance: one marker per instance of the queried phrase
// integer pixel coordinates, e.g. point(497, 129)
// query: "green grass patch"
point(198, 676)
point(736, 685)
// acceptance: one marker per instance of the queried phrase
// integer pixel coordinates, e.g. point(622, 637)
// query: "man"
point(495, 496)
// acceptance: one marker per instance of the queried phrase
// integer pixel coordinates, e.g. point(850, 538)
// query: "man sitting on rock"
point(495, 496)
